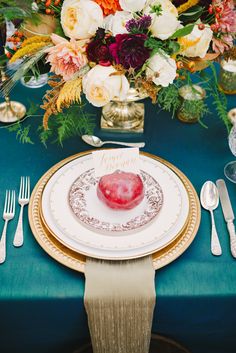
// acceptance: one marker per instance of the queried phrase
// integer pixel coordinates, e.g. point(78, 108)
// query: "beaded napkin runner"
point(119, 300)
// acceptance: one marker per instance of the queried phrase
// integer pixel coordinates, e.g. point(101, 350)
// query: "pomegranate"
point(121, 190)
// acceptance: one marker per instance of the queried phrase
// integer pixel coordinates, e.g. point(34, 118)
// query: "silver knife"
point(228, 213)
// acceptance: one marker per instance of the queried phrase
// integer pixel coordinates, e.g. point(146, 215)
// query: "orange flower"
point(109, 6)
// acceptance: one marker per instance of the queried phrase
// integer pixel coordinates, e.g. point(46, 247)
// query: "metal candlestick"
point(10, 111)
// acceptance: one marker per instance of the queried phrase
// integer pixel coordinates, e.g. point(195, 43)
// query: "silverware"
point(8, 214)
point(23, 199)
point(210, 200)
point(97, 142)
point(228, 213)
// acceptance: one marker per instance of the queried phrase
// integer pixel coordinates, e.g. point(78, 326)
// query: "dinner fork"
point(8, 214)
point(23, 199)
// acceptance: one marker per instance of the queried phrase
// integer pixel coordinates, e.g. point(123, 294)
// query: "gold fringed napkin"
point(119, 300)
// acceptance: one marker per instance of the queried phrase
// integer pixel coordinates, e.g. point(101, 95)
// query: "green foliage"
point(168, 98)
point(74, 122)
point(15, 9)
point(219, 98)
point(59, 31)
point(157, 9)
point(22, 133)
point(220, 104)
point(157, 45)
point(183, 31)
point(192, 14)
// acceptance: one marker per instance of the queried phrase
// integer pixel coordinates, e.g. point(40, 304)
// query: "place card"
point(108, 161)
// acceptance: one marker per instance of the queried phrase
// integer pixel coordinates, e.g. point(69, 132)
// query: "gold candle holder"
point(10, 111)
point(189, 94)
point(227, 76)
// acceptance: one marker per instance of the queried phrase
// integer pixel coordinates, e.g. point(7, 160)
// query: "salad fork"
point(8, 214)
point(23, 199)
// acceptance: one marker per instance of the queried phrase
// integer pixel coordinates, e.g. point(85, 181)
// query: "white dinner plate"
point(164, 228)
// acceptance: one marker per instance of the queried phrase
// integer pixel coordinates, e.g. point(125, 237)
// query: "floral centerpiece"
point(102, 48)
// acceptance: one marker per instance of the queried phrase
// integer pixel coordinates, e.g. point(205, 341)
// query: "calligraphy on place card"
point(108, 161)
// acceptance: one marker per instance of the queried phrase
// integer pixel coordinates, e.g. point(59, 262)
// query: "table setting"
point(118, 215)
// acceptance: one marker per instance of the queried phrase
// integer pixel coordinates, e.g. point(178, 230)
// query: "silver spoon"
point(210, 200)
point(97, 142)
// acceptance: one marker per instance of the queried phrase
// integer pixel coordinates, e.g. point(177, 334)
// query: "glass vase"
point(35, 82)
point(227, 76)
point(188, 95)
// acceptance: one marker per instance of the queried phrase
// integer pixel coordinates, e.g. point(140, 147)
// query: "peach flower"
point(66, 57)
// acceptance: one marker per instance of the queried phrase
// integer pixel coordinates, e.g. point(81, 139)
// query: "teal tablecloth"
point(41, 301)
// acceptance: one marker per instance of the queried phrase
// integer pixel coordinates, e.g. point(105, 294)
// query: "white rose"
point(80, 18)
point(100, 87)
point(132, 5)
point(165, 24)
point(196, 43)
point(116, 23)
point(161, 69)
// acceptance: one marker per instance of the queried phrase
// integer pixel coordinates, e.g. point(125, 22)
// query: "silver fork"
point(23, 199)
point(8, 214)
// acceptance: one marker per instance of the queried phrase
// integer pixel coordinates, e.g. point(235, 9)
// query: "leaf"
point(192, 14)
point(183, 31)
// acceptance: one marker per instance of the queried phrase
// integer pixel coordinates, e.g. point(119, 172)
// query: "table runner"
point(119, 300)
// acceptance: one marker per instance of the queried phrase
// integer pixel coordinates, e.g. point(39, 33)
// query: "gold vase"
point(124, 116)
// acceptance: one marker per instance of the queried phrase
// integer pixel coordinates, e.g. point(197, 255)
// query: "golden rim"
point(75, 260)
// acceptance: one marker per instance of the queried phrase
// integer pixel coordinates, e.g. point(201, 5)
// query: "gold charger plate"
point(76, 261)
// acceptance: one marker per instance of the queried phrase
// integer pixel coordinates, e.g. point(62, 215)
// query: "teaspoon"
point(210, 200)
point(97, 142)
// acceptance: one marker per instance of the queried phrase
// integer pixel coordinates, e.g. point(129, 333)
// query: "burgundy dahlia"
point(98, 49)
point(129, 50)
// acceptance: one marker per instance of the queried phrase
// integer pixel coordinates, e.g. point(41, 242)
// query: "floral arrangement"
point(101, 48)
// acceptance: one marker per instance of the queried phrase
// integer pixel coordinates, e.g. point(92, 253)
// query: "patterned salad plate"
point(67, 239)
point(92, 213)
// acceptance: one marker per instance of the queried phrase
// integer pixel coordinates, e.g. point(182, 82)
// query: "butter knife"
point(228, 213)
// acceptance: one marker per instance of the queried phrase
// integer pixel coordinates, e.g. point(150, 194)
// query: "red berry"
point(214, 27)
point(201, 26)
point(218, 9)
point(210, 10)
point(48, 11)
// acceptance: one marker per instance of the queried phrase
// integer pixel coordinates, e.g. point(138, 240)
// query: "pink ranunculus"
point(66, 57)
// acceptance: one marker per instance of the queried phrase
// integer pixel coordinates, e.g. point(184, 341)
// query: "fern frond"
point(50, 99)
point(70, 93)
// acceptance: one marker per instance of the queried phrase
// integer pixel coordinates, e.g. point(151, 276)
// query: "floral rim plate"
point(94, 214)
point(60, 221)
point(75, 260)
